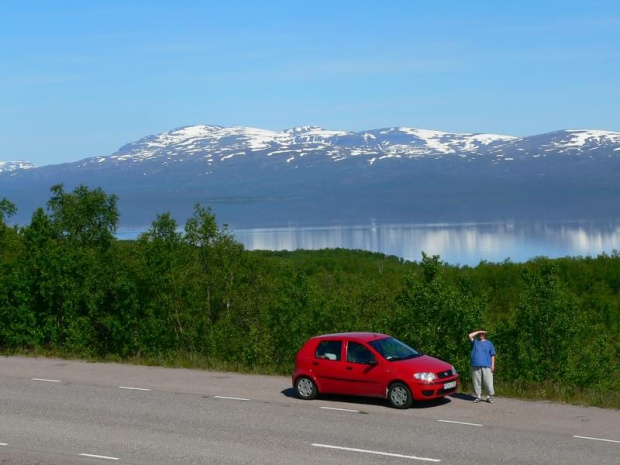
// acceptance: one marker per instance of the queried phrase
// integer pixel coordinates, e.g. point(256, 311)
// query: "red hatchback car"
point(373, 365)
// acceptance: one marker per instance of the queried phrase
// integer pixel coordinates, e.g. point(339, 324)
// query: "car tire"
point(306, 388)
point(399, 396)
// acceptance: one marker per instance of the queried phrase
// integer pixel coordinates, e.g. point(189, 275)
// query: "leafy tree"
point(17, 324)
point(67, 266)
point(220, 257)
point(161, 270)
point(85, 216)
point(7, 209)
point(435, 316)
point(545, 327)
point(8, 236)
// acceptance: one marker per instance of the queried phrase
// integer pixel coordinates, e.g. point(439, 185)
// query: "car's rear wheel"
point(399, 396)
point(305, 387)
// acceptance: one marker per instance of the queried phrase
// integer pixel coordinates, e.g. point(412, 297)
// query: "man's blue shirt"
point(481, 353)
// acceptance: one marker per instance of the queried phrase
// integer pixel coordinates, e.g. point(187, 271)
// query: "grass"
point(553, 392)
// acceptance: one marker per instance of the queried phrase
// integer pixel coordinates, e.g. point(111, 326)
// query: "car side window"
point(357, 353)
point(329, 350)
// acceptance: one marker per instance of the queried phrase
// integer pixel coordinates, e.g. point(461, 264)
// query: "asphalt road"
point(58, 412)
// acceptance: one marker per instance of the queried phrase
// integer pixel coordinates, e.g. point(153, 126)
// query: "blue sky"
point(81, 79)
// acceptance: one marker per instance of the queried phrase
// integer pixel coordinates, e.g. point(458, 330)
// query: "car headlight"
point(454, 371)
point(425, 376)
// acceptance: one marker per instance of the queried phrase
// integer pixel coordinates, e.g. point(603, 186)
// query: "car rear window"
point(329, 350)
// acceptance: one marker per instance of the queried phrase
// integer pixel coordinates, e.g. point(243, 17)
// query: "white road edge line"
point(230, 398)
point(47, 380)
point(597, 439)
point(341, 409)
point(3, 444)
point(133, 388)
point(99, 457)
point(460, 422)
point(388, 454)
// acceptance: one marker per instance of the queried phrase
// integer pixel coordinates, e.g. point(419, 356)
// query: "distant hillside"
point(308, 175)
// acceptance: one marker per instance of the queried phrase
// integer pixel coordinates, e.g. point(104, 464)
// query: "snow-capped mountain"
point(251, 174)
point(216, 144)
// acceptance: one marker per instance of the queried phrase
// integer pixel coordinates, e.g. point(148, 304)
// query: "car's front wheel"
point(399, 396)
point(305, 387)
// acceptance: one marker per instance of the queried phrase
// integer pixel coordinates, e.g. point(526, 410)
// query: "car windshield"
point(392, 349)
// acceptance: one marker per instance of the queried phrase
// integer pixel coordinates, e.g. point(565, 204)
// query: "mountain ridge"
point(253, 176)
point(429, 140)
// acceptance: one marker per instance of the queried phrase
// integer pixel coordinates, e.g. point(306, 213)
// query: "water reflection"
point(464, 244)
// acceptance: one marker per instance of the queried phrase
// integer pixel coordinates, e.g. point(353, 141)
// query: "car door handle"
point(315, 363)
point(349, 368)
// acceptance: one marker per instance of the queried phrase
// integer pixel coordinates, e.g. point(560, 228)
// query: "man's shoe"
point(489, 400)
point(476, 400)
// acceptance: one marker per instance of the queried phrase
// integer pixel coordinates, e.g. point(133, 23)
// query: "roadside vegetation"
point(196, 298)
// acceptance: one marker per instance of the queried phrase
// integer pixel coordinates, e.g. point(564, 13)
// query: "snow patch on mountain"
point(15, 165)
point(578, 138)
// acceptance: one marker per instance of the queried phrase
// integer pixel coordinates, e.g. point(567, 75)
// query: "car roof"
point(360, 336)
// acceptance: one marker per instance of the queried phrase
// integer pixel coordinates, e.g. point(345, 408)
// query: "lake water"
point(464, 244)
point(458, 244)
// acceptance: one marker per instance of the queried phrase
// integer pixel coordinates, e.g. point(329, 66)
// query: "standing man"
point(482, 364)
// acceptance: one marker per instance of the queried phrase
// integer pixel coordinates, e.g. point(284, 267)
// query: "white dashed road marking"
point(99, 457)
point(348, 449)
point(597, 439)
point(3, 444)
point(341, 409)
point(460, 423)
point(388, 454)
